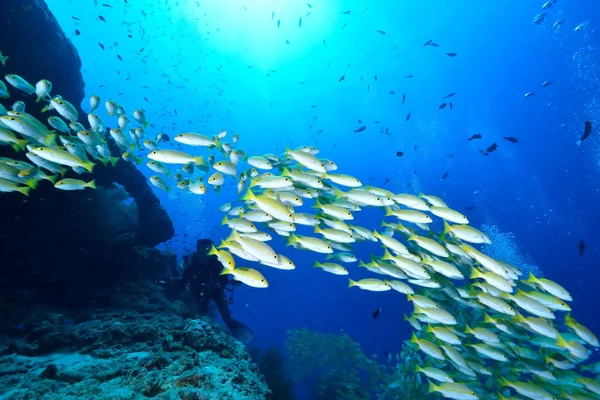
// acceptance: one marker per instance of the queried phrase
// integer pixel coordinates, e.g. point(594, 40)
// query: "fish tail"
point(225, 271)
point(25, 190)
point(104, 161)
point(31, 183)
point(91, 184)
point(351, 283)
point(89, 166)
point(45, 108)
point(431, 387)
point(132, 146)
point(248, 196)
point(292, 239)
point(199, 161)
point(113, 160)
point(225, 220)
point(52, 178)
point(3, 60)
point(50, 139)
point(316, 265)
point(146, 124)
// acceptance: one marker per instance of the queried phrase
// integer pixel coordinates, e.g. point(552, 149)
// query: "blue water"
point(226, 65)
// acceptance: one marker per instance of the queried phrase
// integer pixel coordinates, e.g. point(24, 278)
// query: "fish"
point(101, 18)
point(587, 131)
point(19, 83)
point(445, 176)
point(546, 83)
point(376, 313)
point(490, 149)
point(342, 78)
point(581, 246)
point(300, 22)
point(442, 106)
point(74, 184)
point(399, 154)
point(548, 4)
point(539, 18)
point(475, 136)
point(101, 45)
point(558, 24)
point(346, 12)
point(529, 94)
point(362, 128)
point(427, 43)
point(408, 117)
point(581, 26)
point(175, 157)
point(403, 98)
point(247, 276)
point(380, 31)
point(278, 23)
point(451, 54)
point(511, 139)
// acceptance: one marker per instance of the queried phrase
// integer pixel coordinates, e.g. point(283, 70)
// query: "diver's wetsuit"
point(202, 272)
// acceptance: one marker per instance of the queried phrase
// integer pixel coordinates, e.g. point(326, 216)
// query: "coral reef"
point(146, 350)
point(340, 370)
point(64, 247)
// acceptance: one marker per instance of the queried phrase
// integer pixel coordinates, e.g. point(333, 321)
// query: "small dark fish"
point(490, 149)
point(101, 46)
point(272, 15)
point(362, 128)
point(392, 92)
point(449, 95)
point(101, 18)
point(408, 116)
point(165, 138)
point(409, 76)
point(375, 77)
point(581, 246)
point(382, 32)
point(313, 106)
point(587, 130)
point(386, 132)
point(376, 313)
point(414, 148)
point(538, 19)
point(300, 22)
point(278, 23)
point(320, 131)
point(386, 181)
point(403, 98)
point(75, 18)
point(344, 25)
point(558, 24)
point(145, 98)
point(119, 57)
point(475, 136)
point(77, 33)
point(346, 12)
point(360, 121)
point(470, 208)
point(529, 94)
point(451, 105)
point(368, 88)
point(445, 176)
point(342, 78)
point(442, 106)
point(434, 45)
point(399, 154)
point(511, 139)
point(451, 54)
point(427, 43)
point(287, 41)
point(309, 5)
point(107, 5)
point(546, 84)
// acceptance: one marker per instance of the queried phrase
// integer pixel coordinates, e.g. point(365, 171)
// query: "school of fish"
point(487, 331)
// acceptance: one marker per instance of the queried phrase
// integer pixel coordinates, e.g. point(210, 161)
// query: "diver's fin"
point(240, 331)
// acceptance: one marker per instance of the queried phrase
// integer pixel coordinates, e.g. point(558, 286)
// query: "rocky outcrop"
point(70, 246)
point(144, 351)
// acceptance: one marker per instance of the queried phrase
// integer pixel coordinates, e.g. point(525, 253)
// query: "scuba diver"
point(202, 272)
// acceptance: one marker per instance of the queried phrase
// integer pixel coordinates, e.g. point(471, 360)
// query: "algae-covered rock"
point(125, 354)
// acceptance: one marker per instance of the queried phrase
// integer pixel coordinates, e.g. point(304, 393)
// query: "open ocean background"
point(225, 64)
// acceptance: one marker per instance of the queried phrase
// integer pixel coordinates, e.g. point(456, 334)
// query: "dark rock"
point(69, 247)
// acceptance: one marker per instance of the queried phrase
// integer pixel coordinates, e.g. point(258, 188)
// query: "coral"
point(122, 353)
point(340, 370)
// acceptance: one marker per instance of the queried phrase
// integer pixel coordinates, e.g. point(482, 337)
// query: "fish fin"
point(45, 108)
point(104, 161)
point(89, 166)
point(52, 178)
point(225, 271)
point(113, 160)
point(22, 144)
point(351, 283)
point(91, 184)
point(146, 124)
point(199, 161)
point(32, 183)
point(50, 139)
point(225, 220)
point(25, 190)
